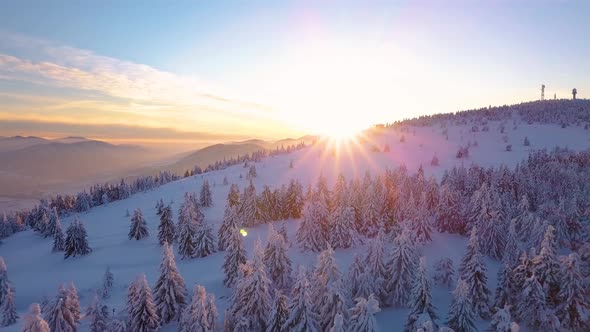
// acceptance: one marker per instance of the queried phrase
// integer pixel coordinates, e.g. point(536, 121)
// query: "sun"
point(338, 131)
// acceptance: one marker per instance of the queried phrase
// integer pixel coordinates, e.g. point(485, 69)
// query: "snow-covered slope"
point(37, 272)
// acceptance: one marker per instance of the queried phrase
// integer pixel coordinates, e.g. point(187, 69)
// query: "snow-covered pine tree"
point(235, 256)
point(501, 320)
point(279, 313)
point(229, 223)
point(33, 322)
point(276, 259)
point(511, 247)
point(59, 240)
point(249, 206)
point(189, 219)
point(503, 290)
point(40, 227)
point(461, 315)
point(204, 241)
point(448, 212)
point(338, 324)
point(76, 240)
point(490, 225)
point(335, 303)
point(401, 269)
point(143, 315)
point(170, 289)
point(295, 199)
point(233, 196)
point(159, 206)
point(302, 317)
point(326, 272)
point(524, 220)
point(573, 308)
point(310, 235)
point(98, 315)
point(518, 276)
point(8, 309)
point(5, 284)
point(252, 298)
point(107, 283)
point(212, 314)
point(206, 198)
point(445, 272)
point(421, 300)
point(537, 234)
point(546, 264)
point(138, 229)
point(252, 172)
point(372, 206)
point(166, 228)
point(73, 302)
point(267, 205)
point(343, 232)
point(421, 222)
point(375, 265)
point(474, 272)
point(194, 317)
point(52, 222)
point(59, 315)
point(533, 307)
point(362, 317)
point(355, 272)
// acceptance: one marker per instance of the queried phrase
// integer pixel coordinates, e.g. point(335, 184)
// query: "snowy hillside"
point(36, 272)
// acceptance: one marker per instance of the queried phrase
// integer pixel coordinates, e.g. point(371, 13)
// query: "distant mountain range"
point(31, 167)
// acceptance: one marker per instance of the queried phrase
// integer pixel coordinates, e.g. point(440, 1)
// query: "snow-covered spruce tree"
point(279, 313)
point(166, 228)
point(421, 222)
point(98, 314)
point(212, 314)
point(235, 256)
point(229, 223)
point(573, 308)
point(194, 317)
point(107, 283)
point(343, 233)
point(375, 266)
point(204, 241)
point(474, 272)
point(546, 264)
point(537, 235)
point(206, 198)
point(302, 317)
point(310, 235)
point(461, 315)
point(519, 274)
point(335, 303)
point(117, 325)
point(143, 315)
point(5, 284)
point(8, 309)
point(448, 212)
point(326, 272)
point(362, 317)
point(249, 206)
point(252, 298)
point(295, 199)
point(523, 219)
point(501, 320)
point(40, 227)
point(372, 206)
point(504, 294)
point(159, 206)
point(355, 272)
point(338, 324)
point(73, 302)
point(276, 259)
point(76, 240)
point(59, 240)
point(267, 205)
point(170, 290)
point(421, 300)
point(138, 229)
point(52, 223)
point(189, 219)
point(445, 272)
point(533, 308)
point(59, 315)
point(33, 322)
point(490, 225)
point(252, 172)
point(233, 196)
point(511, 247)
point(401, 269)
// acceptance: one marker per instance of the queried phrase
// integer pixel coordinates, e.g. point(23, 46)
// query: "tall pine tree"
point(138, 229)
point(170, 289)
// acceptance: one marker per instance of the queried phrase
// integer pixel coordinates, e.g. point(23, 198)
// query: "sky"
point(198, 72)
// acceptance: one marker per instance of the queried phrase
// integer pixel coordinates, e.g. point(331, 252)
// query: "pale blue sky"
point(265, 68)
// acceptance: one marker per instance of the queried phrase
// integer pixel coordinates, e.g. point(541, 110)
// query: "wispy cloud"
point(140, 90)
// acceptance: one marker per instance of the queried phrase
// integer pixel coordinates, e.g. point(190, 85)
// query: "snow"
point(36, 271)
